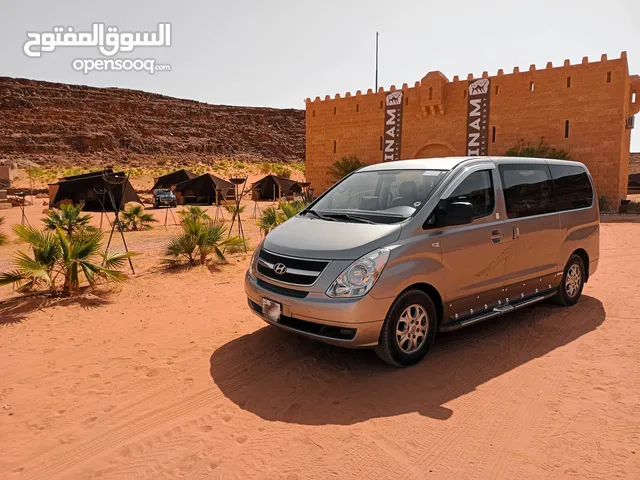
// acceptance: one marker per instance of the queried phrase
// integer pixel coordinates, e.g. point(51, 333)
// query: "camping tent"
point(93, 188)
point(202, 189)
point(173, 178)
point(634, 183)
point(272, 185)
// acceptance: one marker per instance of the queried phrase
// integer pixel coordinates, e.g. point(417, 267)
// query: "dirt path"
point(172, 377)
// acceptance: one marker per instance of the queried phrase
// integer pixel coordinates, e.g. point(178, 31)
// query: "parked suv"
point(395, 252)
point(164, 197)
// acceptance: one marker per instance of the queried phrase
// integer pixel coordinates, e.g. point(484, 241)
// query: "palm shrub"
point(272, 217)
point(134, 218)
point(194, 213)
point(3, 237)
point(59, 262)
point(197, 241)
point(345, 166)
point(233, 209)
point(69, 218)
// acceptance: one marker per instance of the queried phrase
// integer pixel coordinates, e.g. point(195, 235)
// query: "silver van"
point(397, 251)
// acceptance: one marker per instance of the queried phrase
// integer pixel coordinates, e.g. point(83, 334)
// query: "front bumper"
point(351, 323)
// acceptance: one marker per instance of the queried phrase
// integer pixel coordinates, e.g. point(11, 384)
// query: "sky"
point(278, 52)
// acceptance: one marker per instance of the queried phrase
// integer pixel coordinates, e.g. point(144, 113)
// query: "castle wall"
point(594, 97)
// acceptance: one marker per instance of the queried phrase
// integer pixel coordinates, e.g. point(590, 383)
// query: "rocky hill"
point(55, 124)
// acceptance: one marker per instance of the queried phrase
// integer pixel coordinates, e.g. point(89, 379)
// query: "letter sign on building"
point(478, 117)
point(392, 126)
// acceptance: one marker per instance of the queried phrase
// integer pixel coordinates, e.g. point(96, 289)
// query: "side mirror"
point(456, 213)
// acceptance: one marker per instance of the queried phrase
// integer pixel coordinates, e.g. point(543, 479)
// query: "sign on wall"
point(478, 117)
point(392, 126)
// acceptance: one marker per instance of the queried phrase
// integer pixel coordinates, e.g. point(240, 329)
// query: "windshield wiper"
point(319, 215)
point(347, 216)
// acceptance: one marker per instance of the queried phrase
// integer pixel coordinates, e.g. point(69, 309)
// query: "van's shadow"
point(281, 377)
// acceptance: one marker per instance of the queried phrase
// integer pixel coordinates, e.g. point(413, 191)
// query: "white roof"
point(444, 163)
point(448, 163)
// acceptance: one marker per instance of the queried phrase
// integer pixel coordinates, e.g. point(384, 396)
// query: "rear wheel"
point(572, 282)
point(409, 329)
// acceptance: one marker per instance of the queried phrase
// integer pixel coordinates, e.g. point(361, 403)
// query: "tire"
point(572, 282)
point(409, 306)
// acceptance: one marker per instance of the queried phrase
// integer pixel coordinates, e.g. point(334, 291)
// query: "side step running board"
point(496, 312)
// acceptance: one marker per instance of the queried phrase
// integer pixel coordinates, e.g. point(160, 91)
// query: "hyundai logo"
point(280, 268)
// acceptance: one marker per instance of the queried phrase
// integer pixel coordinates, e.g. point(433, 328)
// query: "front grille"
point(298, 271)
point(288, 292)
point(328, 331)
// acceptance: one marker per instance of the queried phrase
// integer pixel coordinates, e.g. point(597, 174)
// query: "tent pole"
point(116, 222)
point(174, 218)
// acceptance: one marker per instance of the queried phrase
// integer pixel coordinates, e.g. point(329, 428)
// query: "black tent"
point(202, 189)
point(272, 185)
point(634, 183)
point(173, 178)
point(93, 188)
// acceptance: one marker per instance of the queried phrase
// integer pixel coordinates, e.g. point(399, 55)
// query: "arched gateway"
point(435, 149)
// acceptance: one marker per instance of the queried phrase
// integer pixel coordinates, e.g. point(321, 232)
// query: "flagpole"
point(376, 62)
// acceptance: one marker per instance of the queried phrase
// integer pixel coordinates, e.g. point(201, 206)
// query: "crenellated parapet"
point(431, 88)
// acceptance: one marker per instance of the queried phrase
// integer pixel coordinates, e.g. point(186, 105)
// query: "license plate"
point(271, 310)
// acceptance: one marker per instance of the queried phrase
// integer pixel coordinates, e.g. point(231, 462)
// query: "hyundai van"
point(398, 251)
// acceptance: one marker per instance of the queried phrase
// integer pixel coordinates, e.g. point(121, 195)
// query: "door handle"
point(496, 236)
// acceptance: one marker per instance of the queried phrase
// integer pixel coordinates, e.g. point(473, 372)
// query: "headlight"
point(361, 275)
point(254, 258)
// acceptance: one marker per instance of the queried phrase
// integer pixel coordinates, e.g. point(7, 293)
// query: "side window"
point(573, 188)
point(528, 190)
point(477, 189)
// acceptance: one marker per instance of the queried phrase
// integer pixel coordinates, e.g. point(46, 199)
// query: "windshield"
point(384, 196)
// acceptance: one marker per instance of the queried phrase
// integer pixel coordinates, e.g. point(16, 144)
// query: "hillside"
point(59, 125)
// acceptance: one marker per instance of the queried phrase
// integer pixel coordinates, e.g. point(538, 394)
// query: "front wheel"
point(408, 330)
point(572, 282)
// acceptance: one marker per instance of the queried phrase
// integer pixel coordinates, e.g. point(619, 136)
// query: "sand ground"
point(171, 376)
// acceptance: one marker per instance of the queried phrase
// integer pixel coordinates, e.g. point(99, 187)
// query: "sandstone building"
point(585, 109)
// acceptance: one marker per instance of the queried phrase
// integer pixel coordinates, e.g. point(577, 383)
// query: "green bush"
point(345, 166)
point(604, 203)
point(265, 168)
point(281, 170)
point(300, 166)
point(542, 150)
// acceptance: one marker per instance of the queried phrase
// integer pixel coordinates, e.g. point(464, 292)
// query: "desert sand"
point(171, 376)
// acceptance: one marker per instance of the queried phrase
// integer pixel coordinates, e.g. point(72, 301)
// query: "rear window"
point(528, 189)
point(572, 186)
